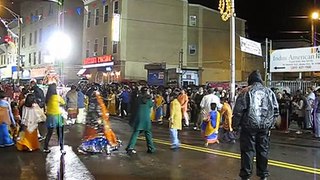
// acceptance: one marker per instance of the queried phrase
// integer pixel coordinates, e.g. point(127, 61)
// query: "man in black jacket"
point(255, 111)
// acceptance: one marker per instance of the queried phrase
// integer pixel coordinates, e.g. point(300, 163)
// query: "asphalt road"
point(292, 157)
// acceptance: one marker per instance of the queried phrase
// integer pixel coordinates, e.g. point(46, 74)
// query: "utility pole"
point(180, 68)
point(233, 53)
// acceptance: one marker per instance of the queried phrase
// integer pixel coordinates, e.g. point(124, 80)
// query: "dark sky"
point(270, 18)
point(265, 18)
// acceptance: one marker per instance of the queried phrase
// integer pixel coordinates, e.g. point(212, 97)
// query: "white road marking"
point(69, 165)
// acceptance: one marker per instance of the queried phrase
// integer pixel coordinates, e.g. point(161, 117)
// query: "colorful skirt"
point(5, 138)
point(210, 139)
point(28, 141)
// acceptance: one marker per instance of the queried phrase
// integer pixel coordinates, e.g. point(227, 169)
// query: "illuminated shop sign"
point(95, 60)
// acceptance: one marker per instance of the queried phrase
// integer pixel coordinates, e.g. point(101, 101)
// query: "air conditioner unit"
point(94, 53)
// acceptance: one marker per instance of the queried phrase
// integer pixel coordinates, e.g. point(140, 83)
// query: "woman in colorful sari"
point(6, 119)
point(210, 126)
point(32, 114)
point(158, 107)
point(54, 118)
point(112, 103)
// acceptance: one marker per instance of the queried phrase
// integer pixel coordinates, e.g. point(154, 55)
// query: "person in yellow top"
point(158, 107)
point(112, 103)
point(54, 118)
point(175, 121)
point(226, 117)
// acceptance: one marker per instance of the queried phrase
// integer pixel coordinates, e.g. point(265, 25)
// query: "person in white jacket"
point(208, 99)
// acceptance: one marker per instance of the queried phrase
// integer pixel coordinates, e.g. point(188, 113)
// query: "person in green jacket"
point(142, 122)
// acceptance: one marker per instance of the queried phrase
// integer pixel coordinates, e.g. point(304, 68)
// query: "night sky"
point(271, 18)
point(265, 18)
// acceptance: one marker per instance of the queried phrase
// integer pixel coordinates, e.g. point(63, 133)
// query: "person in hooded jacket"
point(255, 111)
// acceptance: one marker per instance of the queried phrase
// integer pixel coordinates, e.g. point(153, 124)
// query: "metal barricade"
point(292, 86)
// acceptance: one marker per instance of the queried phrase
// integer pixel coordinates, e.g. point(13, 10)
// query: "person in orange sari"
point(32, 114)
point(183, 100)
point(226, 113)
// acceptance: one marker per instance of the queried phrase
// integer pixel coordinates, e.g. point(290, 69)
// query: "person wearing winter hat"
point(255, 112)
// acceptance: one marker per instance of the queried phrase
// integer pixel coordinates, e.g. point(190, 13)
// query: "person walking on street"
point(175, 121)
point(255, 111)
point(142, 122)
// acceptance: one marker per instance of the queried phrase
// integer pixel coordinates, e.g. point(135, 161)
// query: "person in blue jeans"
point(6, 119)
point(175, 121)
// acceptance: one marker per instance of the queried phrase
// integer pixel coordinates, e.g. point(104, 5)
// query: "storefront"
point(190, 77)
point(7, 72)
point(99, 69)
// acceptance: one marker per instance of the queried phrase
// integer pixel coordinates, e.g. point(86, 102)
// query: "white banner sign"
point(295, 60)
point(250, 46)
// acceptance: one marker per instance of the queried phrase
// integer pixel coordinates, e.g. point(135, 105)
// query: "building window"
point(35, 37)
point(34, 58)
point(30, 58)
point(96, 19)
point(39, 57)
point(88, 49)
point(40, 35)
point(114, 47)
point(31, 18)
point(30, 39)
point(95, 47)
point(88, 19)
point(23, 41)
point(105, 13)
point(192, 20)
point(192, 49)
point(104, 47)
point(116, 7)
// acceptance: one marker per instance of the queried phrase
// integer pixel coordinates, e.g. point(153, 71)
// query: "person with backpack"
point(255, 112)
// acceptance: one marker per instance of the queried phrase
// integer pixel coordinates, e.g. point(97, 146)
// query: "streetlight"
point(17, 16)
point(314, 17)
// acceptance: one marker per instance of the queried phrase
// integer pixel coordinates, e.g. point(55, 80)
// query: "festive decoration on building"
point(99, 137)
point(225, 8)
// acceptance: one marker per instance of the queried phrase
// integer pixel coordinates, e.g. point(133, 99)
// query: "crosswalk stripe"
point(66, 167)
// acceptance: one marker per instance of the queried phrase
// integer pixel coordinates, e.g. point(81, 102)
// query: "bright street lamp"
point(59, 45)
point(314, 17)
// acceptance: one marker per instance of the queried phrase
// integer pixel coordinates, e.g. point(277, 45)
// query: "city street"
point(292, 157)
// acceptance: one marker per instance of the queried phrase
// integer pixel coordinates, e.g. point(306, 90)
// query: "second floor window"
point(29, 58)
point(95, 48)
point(114, 47)
point(192, 20)
point(88, 50)
point(30, 39)
point(23, 41)
point(104, 48)
point(39, 58)
point(35, 37)
point(88, 19)
point(106, 13)
point(40, 35)
point(96, 20)
point(34, 58)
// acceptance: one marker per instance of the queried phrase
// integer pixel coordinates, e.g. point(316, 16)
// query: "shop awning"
point(82, 71)
point(99, 65)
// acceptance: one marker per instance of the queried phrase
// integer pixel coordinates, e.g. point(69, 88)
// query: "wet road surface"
point(292, 157)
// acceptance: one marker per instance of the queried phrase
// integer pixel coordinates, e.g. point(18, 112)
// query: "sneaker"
point(131, 151)
point(299, 132)
point(160, 122)
point(150, 151)
point(46, 150)
point(10, 144)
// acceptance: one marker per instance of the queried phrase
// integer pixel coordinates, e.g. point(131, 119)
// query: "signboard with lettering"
point(295, 60)
point(250, 46)
point(95, 60)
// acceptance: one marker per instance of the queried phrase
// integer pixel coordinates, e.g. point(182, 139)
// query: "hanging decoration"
point(225, 8)
point(78, 10)
point(104, 2)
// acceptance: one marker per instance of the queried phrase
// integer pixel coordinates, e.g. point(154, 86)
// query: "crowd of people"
point(203, 109)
